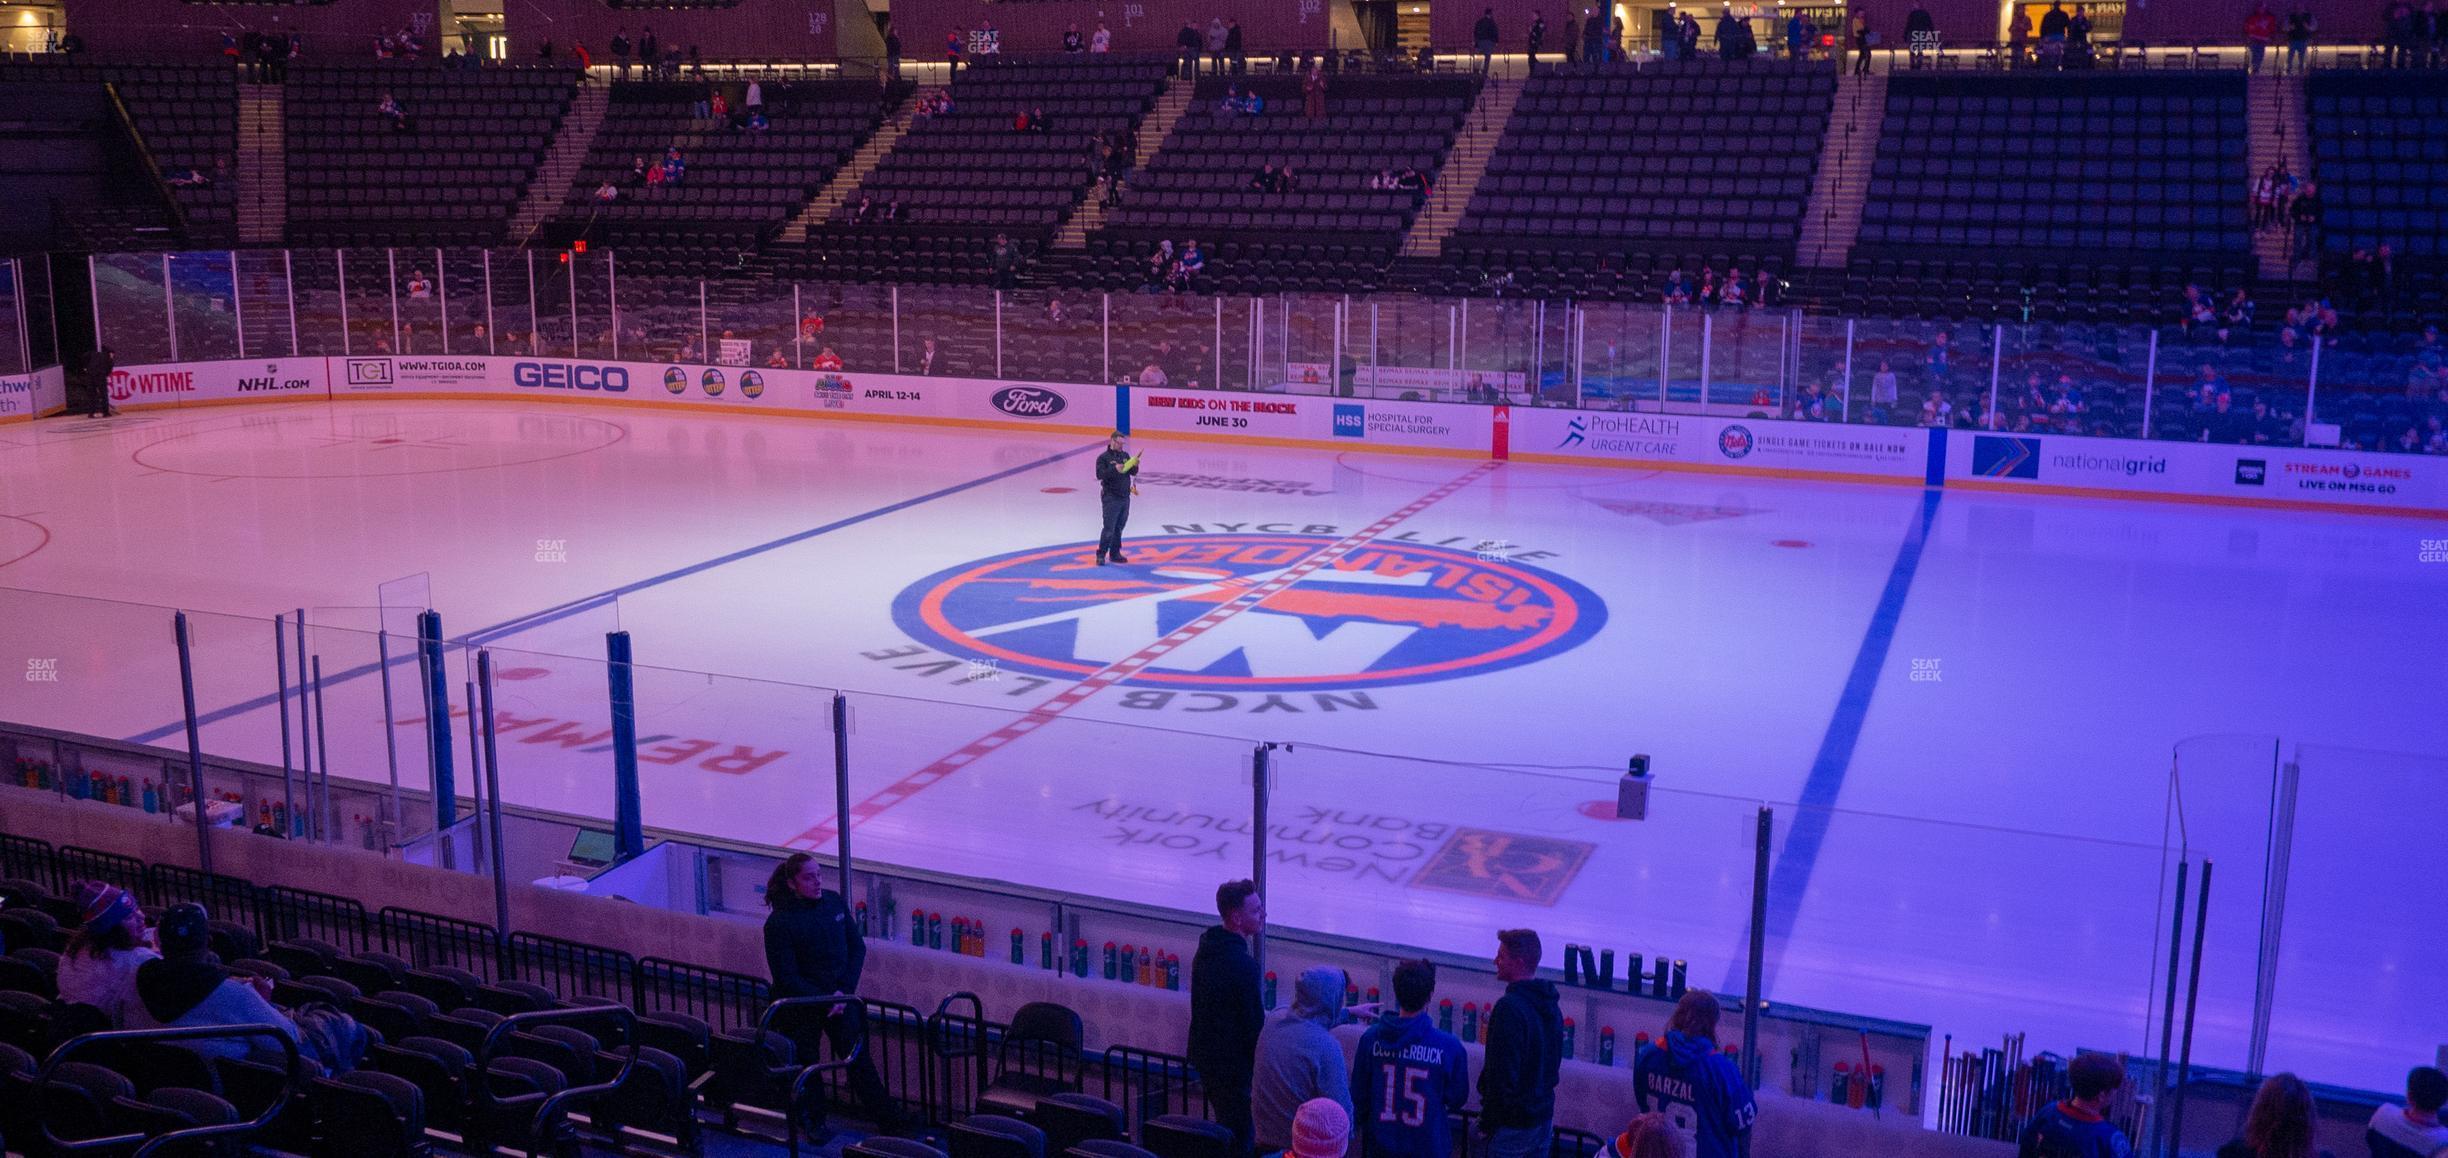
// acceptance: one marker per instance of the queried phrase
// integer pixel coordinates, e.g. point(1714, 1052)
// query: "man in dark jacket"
point(1117, 472)
point(95, 386)
point(1226, 1011)
point(814, 949)
point(1525, 1049)
point(1483, 37)
point(2078, 1127)
point(1189, 41)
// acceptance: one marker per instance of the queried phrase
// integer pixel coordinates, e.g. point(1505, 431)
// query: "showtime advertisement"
point(1702, 442)
point(2257, 475)
point(270, 380)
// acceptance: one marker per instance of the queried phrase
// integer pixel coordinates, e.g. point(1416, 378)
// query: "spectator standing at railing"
point(2300, 25)
point(1226, 1012)
point(1525, 1053)
point(1572, 37)
point(1101, 40)
point(814, 949)
point(2078, 37)
point(1299, 1059)
point(1072, 41)
point(1483, 38)
point(1685, 1077)
point(620, 53)
point(1408, 1076)
point(1862, 40)
point(648, 50)
point(1187, 41)
point(2260, 28)
point(1538, 35)
point(1216, 34)
point(1233, 49)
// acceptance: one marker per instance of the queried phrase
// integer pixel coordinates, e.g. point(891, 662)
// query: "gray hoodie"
point(1299, 1059)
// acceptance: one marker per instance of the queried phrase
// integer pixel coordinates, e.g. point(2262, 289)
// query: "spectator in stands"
point(1413, 182)
point(1525, 1050)
point(1298, 1058)
point(892, 52)
point(1265, 181)
point(1192, 264)
point(953, 46)
point(1920, 32)
point(1707, 295)
point(656, 175)
point(1153, 374)
point(1072, 41)
point(1409, 1076)
point(674, 166)
point(187, 987)
point(1688, 27)
point(826, 359)
point(1863, 39)
point(544, 52)
point(2236, 316)
point(1187, 41)
point(649, 50)
point(2304, 218)
point(2078, 37)
point(926, 357)
point(1736, 292)
point(1797, 35)
point(714, 105)
point(1313, 93)
point(777, 360)
point(2300, 25)
point(1936, 410)
point(1101, 40)
point(2264, 199)
point(1320, 1129)
point(2260, 27)
point(863, 210)
point(2195, 310)
point(418, 286)
point(1483, 38)
point(607, 192)
point(814, 949)
point(2053, 35)
point(1883, 388)
point(1677, 289)
point(1233, 50)
point(1538, 35)
point(1160, 267)
point(2018, 36)
point(757, 122)
point(389, 109)
point(1226, 1013)
point(620, 53)
point(1594, 39)
point(2280, 1123)
point(1684, 1077)
point(99, 965)
point(586, 60)
point(1216, 34)
point(1004, 257)
point(1729, 35)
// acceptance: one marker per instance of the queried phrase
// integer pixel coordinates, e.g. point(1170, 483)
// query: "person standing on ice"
point(1117, 471)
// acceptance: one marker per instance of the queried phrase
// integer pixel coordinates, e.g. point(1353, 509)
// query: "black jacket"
point(1484, 30)
point(1226, 1010)
point(1116, 484)
point(813, 948)
point(1525, 1049)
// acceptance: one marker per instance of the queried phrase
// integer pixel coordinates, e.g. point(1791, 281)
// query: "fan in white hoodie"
point(99, 968)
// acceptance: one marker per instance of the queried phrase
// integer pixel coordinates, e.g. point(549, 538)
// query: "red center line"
point(1122, 669)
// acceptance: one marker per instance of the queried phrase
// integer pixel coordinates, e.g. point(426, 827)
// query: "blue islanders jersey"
point(1407, 1077)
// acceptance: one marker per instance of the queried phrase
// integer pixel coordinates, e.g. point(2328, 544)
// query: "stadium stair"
point(263, 171)
point(1073, 238)
point(2278, 137)
point(1832, 220)
point(847, 178)
point(1465, 163)
point(569, 150)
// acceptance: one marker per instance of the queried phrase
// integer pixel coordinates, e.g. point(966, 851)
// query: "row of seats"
point(338, 143)
point(2376, 149)
point(472, 1051)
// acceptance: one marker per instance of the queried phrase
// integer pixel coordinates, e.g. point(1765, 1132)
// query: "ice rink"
point(1962, 706)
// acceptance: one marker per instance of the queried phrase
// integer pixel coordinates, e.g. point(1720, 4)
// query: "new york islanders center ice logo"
point(1386, 613)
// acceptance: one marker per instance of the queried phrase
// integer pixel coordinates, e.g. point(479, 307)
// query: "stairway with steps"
point(263, 169)
point(264, 309)
point(846, 179)
point(1832, 218)
point(551, 184)
point(1153, 129)
point(2277, 137)
point(1465, 163)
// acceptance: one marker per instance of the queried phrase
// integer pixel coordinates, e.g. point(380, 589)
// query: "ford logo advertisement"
point(1028, 402)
